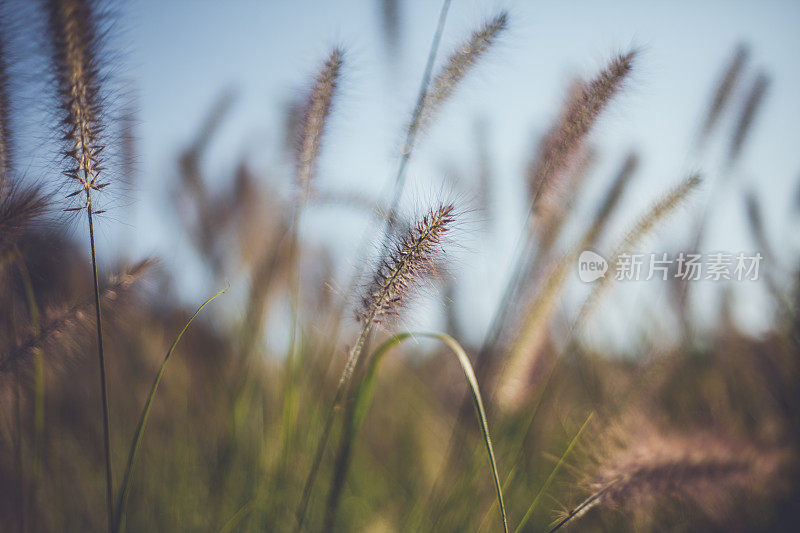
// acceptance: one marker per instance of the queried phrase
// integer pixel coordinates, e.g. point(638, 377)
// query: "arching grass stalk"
point(137, 438)
point(557, 149)
point(363, 399)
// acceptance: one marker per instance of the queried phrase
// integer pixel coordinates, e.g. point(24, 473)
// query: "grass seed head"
point(315, 114)
point(413, 256)
point(750, 110)
point(725, 88)
point(458, 65)
point(587, 100)
point(75, 44)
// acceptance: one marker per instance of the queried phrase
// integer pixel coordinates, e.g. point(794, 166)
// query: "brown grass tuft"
point(65, 328)
point(649, 468)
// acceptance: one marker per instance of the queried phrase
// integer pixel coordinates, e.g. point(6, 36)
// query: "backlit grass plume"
point(661, 208)
point(315, 114)
point(18, 207)
point(75, 48)
point(583, 107)
point(649, 220)
point(752, 105)
point(651, 468)
point(725, 88)
point(413, 257)
point(458, 66)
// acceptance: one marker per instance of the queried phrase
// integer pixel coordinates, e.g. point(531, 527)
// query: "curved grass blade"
point(365, 393)
point(137, 439)
point(552, 475)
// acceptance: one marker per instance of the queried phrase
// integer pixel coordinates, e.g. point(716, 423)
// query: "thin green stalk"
point(242, 512)
point(399, 181)
point(490, 510)
point(552, 475)
point(363, 400)
point(137, 439)
point(103, 385)
point(341, 387)
point(413, 128)
point(519, 441)
point(399, 184)
point(290, 396)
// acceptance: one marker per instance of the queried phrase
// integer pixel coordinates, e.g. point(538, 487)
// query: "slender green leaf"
point(365, 392)
point(552, 475)
point(137, 439)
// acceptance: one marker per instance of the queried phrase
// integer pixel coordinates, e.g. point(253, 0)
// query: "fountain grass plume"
point(315, 114)
point(75, 46)
point(458, 65)
point(647, 467)
point(586, 102)
point(412, 257)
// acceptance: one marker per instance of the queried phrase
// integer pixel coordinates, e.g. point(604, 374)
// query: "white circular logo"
point(591, 266)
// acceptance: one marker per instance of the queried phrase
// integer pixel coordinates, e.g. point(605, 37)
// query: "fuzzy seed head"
point(413, 257)
point(315, 114)
point(658, 211)
point(458, 66)
point(584, 105)
point(749, 112)
point(74, 44)
point(725, 88)
point(650, 467)
point(64, 327)
point(18, 207)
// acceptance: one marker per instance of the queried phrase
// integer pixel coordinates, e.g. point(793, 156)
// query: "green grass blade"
point(137, 439)
point(511, 473)
point(552, 475)
point(365, 392)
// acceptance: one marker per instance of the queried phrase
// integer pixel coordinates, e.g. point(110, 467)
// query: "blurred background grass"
point(692, 386)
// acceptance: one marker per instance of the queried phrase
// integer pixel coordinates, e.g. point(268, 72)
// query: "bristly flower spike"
point(413, 257)
point(315, 114)
point(75, 44)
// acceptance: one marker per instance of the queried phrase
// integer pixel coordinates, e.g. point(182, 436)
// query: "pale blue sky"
point(182, 54)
